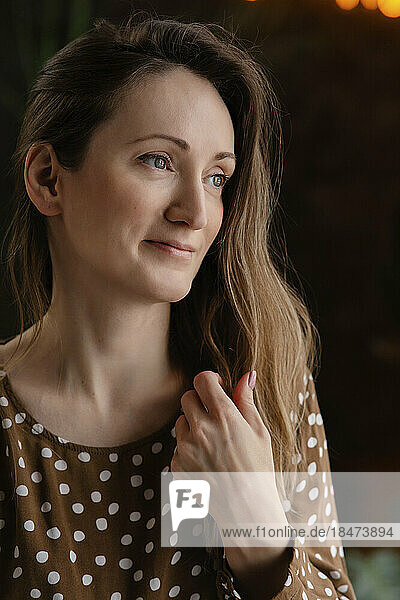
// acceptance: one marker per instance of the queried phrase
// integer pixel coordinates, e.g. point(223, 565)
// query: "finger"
point(181, 427)
point(243, 397)
point(207, 385)
point(174, 465)
point(193, 408)
point(220, 381)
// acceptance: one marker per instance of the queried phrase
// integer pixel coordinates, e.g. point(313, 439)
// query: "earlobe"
point(40, 175)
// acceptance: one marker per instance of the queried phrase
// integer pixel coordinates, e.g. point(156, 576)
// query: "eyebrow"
point(182, 144)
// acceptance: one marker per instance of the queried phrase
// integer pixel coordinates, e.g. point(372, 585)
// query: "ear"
point(41, 174)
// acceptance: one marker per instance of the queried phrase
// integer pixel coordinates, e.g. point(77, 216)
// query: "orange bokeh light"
point(370, 4)
point(390, 8)
point(347, 4)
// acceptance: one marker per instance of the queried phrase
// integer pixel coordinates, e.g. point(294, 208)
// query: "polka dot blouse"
point(83, 522)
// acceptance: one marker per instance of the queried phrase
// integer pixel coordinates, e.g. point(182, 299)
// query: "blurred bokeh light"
point(389, 8)
point(347, 4)
point(370, 4)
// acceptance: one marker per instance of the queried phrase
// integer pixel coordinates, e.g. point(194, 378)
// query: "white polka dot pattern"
point(89, 518)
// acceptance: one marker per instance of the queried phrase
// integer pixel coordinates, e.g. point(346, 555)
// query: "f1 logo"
point(189, 499)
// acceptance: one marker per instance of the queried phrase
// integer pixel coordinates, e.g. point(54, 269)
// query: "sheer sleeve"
point(314, 573)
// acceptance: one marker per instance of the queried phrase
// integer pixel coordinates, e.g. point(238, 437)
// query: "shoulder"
point(8, 348)
point(4, 353)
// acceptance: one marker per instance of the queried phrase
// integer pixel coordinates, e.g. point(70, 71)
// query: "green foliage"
point(375, 575)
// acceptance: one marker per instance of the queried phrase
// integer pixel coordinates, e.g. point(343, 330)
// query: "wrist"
point(256, 574)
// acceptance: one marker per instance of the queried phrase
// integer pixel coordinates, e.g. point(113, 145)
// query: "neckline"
point(29, 422)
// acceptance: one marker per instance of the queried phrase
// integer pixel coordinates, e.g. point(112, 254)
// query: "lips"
point(174, 244)
point(166, 244)
point(170, 250)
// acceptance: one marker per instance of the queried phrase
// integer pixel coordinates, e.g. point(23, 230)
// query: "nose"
point(189, 204)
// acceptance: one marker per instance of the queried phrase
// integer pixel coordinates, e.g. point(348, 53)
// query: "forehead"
point(178, 103)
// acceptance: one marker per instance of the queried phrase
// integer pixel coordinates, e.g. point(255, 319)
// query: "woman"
point(137, 140)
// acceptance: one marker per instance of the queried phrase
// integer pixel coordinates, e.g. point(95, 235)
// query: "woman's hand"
point(216, 434)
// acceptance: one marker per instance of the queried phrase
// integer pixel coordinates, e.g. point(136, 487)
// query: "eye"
point(158, 157)
point(224, 179)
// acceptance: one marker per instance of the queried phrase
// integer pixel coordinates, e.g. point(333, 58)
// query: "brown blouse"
point(82, 522)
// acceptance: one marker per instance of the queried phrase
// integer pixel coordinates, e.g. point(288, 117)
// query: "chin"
point(169, 292)
point(179, 294)
point(177, 297)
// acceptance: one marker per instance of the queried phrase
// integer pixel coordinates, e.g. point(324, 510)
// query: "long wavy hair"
point(241, 312)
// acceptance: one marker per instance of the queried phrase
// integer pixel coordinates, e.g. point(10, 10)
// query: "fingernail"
point(251, 381)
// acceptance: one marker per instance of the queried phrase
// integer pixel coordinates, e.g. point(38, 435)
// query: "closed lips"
point(174, 245)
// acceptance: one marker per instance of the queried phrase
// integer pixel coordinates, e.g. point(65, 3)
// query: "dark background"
point(336, 73)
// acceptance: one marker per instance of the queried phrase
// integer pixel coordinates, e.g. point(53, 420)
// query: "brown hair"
point(241, 312)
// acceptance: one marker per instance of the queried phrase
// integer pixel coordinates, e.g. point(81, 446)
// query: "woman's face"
point(122, 196)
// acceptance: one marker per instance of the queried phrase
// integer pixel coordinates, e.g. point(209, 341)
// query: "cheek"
point(215, 219)
point(110, 207)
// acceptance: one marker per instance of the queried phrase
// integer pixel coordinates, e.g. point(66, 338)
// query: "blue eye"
point(157, 156)
point(224, 177)
point(152, 156)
